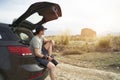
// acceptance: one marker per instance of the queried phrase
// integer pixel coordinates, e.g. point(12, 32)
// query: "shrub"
point(63, 38)
point(103, 43)
point(115, 43)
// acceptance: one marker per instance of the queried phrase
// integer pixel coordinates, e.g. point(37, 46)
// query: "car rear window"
point(3, 36)
point(7, 35)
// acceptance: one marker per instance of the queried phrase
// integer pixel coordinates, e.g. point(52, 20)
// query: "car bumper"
point(35, 71)
point(27, 72)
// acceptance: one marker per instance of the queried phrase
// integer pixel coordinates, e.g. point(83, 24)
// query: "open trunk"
point(24, 28)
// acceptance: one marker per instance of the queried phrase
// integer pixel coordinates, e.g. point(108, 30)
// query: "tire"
point(2, 77)
point(26, 31)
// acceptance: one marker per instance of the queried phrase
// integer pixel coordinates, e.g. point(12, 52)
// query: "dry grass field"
point(88, 58)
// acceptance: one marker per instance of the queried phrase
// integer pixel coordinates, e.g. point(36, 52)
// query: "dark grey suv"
point(16, 59)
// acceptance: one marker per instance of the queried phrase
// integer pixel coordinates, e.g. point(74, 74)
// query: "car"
point(16, 59)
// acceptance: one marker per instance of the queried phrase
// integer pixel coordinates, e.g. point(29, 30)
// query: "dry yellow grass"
point(115, 43)
point(63, 38)
point(105, 43)
point(82, 53)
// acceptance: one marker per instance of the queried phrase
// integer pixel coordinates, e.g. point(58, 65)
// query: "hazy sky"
point(102, 16)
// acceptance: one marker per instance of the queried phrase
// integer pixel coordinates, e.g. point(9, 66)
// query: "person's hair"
point(40, 28)
point(37, 31)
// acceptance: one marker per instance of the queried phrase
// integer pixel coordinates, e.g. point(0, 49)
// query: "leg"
point(51, 66)
point(48, 46)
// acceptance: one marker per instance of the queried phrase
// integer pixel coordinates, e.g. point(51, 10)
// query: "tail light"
point(19, 50)
point(36, 76)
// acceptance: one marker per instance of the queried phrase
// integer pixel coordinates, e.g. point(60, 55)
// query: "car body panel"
point(16, 67)
point(24, 67)
point(32, 67)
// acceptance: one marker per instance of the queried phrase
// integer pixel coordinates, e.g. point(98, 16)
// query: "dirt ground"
point(70, 72)
point(85, 60)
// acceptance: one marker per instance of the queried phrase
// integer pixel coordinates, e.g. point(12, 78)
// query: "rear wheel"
point(2, 77)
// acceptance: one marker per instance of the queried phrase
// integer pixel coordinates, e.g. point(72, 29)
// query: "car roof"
point(4, 25)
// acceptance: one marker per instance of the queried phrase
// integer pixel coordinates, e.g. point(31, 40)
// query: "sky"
point(103, 16)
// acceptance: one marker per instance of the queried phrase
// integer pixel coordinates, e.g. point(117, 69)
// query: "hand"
point(49, 58)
